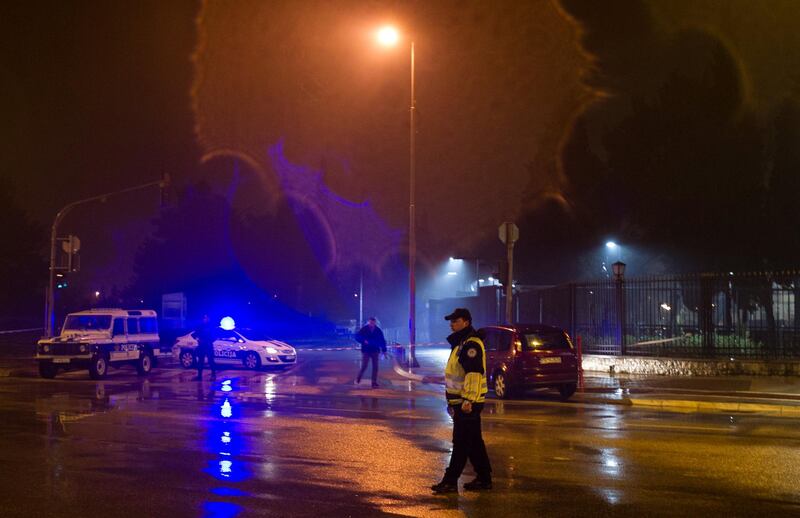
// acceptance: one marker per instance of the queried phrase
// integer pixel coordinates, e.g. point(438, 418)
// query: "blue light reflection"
point(228, 491)
point(226, 410)
point(221, 509)
point(225, 442)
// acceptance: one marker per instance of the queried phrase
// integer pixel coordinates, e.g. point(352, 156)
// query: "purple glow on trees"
point(342, 233)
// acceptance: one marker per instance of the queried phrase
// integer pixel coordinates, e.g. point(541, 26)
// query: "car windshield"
point(87, 323)
point(546, 340)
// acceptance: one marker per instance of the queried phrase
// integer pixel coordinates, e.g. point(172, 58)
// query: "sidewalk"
point(772, 395)
point(753, 394)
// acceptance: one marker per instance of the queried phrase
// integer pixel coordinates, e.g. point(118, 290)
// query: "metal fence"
point(752, 315)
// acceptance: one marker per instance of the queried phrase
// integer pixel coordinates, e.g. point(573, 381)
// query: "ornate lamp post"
point(619, 278)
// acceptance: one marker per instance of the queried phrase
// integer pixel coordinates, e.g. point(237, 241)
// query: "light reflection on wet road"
point(307, 442)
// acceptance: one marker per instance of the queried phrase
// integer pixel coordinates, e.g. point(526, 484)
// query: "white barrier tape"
point(666, 340)
point(327, 348)
point(358, 347)
point(11, 331)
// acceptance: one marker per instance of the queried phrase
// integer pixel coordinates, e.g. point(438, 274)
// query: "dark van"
point(524, 356)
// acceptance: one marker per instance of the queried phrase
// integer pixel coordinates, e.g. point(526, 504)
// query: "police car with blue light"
point(237, 346)
point(97, 339)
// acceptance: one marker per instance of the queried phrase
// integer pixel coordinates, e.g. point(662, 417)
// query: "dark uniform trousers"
point(202, 352)
point(468, 444)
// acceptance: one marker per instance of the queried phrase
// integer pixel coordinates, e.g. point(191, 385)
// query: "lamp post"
point(611, 246)
point(49, 307)
point(389, 36)
point(619, 277)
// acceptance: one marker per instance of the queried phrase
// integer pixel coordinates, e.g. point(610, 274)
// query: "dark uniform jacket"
point(205, 335)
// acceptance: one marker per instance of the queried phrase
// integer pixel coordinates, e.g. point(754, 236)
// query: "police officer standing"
point(465, 380)
point(205, 336)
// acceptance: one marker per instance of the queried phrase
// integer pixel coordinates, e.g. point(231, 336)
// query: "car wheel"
point(145, 364)
point(98, 368)
point(566, 390)
point(251, 361)
point(501, 387)
point(47, 370)
point(187, 358)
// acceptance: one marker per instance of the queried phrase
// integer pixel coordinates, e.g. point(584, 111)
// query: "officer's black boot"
point(445, 486)
point(479, 484)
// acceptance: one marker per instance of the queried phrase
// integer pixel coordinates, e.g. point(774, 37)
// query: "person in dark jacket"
point(205, 336)
point(372, 343)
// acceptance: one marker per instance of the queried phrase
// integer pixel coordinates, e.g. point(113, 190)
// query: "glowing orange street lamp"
point(390, 36)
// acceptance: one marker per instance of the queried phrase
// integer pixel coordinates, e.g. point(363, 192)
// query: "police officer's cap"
point(459, 313)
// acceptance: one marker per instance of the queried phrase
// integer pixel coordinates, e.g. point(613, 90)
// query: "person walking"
point(465, 390)
point(205, 336)
point(372, 343)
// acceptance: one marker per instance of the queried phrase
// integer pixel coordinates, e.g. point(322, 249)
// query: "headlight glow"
point(271, 350)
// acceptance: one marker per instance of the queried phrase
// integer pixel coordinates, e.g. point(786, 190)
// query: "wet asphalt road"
point(307, 442)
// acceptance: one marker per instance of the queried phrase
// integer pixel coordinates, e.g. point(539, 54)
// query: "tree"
point(669, 154)
point(190, 243)
point(226, 261)
point(22, 262)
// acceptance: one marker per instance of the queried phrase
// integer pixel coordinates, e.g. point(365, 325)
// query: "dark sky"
point(100, 95)
point(492, 80)
point(95, 98)
point(95, 94)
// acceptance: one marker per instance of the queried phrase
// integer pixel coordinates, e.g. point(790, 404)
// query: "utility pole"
point(49, 307)
point(361, 298)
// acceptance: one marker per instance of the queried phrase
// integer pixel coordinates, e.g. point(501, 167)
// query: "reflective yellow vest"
point(461, 385)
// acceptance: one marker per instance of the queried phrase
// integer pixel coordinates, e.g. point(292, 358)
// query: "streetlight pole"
point(49, 307)
point(389, 36)
point(412, 230)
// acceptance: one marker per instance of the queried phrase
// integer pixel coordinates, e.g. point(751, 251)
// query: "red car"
point(523, 356)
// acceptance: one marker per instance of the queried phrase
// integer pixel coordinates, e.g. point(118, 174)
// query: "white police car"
point(234, 347)
point(97, 338)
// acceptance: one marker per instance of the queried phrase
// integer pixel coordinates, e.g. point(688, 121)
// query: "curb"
point(16, 373)
point(686, 405)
